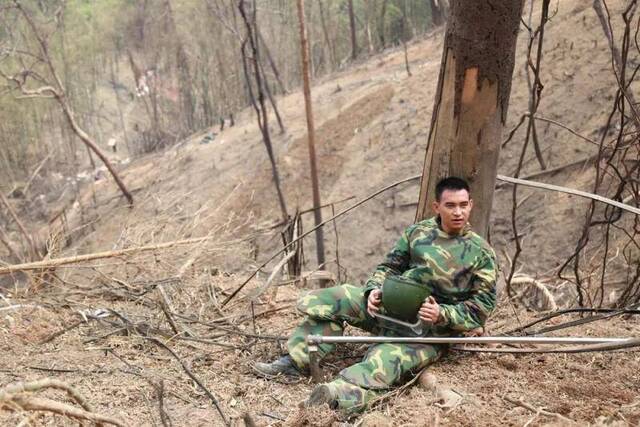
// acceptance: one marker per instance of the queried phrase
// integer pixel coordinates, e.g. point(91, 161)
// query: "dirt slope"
point(372, 125)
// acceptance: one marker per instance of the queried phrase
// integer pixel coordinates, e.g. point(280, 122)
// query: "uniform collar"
point(465, 230)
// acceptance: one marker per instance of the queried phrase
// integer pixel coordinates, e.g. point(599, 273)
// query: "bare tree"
point(259, 106)
point(52, 88)
point(304, 51)
point(471, 102)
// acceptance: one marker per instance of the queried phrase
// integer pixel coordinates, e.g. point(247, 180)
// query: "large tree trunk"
point(471, 102)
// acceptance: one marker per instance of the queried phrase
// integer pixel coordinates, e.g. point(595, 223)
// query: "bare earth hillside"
point(104, 326)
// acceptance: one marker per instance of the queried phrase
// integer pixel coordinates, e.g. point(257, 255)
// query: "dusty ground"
point(372, 122)
point(118, 371)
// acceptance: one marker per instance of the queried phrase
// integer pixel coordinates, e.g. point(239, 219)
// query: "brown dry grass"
point(118, 373)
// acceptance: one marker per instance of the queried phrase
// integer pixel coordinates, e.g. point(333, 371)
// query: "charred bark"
point(471, 102)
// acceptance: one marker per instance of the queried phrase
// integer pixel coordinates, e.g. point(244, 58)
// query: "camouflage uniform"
point(461, 270)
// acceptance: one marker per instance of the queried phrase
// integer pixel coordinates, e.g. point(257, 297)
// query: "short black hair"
point(451, 183)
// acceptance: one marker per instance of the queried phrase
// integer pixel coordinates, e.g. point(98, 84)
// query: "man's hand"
point(429, 311)
point(374, 301)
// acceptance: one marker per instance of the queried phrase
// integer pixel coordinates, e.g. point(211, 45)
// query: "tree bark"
point(381, 23)
point(304, 50)
point(471, 103)
point(352, 26)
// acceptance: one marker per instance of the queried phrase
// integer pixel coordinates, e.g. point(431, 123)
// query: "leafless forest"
point(160, 210)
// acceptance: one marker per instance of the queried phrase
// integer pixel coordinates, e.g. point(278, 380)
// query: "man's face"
point(454, 209)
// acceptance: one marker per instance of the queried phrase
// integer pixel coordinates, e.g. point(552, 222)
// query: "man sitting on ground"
point(456, 264)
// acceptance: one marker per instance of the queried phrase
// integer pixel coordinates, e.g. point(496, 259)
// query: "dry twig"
point(14, 393)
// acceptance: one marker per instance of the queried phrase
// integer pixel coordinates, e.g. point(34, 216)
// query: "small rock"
point(428, 381)
point(448, 398)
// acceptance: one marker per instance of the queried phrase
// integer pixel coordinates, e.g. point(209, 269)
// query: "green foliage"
point(193, 48)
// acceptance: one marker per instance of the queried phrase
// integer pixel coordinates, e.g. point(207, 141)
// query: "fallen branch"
point(12, 392)
point(554, 170)
point(569, 191)
point(191, 375)
point(275, 271)
point(608, 312)
point(56, 262)
point(164, 416)
point(549, 299)
point(540, 411)
point(48, 405)
point(165, 304)
point(62, 331)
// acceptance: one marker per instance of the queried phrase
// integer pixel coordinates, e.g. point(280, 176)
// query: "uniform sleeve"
point(395, 263)
point(473, 312)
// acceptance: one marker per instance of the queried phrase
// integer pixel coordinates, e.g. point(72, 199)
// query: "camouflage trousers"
point(383, 366)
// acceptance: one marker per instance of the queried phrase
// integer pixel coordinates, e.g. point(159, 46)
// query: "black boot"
point(284, 366)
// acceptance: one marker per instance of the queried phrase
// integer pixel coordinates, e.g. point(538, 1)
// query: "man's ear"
point(470, 204)
point(436, 207)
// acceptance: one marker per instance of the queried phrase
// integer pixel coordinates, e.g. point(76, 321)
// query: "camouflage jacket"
point(461, 270)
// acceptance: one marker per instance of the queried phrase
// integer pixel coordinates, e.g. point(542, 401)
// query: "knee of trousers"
point(387, 365)
point(338, 303)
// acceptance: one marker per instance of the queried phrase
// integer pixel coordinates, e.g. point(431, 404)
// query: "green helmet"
point(402, 297)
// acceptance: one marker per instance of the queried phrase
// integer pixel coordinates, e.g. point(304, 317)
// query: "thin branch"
point(191, 375)
point(339, 214)
point(567, 190)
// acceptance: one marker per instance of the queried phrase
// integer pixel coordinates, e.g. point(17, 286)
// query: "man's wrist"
point(442, 319)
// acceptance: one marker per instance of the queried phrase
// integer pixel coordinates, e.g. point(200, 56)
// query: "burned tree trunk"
point(471, 102)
